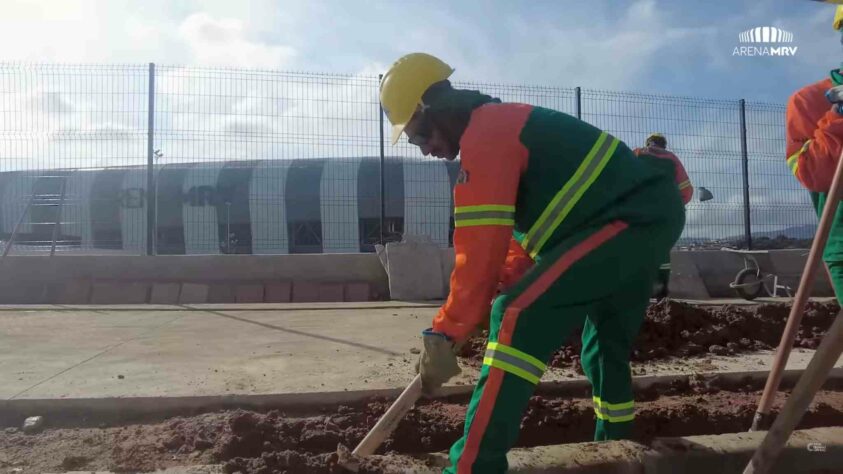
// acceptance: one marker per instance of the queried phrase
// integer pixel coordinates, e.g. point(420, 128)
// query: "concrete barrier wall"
point(700, 274)
point(788, 264)
point(312, 267)
point(83, 279)
point(697, 274)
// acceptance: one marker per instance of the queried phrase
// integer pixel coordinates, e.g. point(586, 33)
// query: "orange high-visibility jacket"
point(535, 175)
point(682, 180)
point(814, 136)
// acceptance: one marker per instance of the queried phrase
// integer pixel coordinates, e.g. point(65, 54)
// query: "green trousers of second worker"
point(833, 252)
point(600, 277)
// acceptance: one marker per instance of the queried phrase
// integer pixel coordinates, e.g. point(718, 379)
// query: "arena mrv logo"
point(765, 41)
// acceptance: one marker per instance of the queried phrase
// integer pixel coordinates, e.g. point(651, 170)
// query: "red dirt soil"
point(250, 442)
point(677, 329)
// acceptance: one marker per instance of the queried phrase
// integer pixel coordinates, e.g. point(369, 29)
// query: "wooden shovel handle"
point(389, 421)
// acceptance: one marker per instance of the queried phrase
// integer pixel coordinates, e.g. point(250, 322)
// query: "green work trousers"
point(601, 277)
point(833, 252)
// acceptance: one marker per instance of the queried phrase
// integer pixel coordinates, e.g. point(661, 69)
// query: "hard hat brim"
point(397, 130)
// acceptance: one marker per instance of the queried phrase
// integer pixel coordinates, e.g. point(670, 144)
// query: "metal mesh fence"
point(177, 160)
point(265, 162)
point(704, 134)
point(779, 205)
point(55, 122)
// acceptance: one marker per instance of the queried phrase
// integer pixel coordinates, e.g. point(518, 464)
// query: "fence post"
point(578, 96)
point(382, 178)
point(745, 165)
point(150, 165)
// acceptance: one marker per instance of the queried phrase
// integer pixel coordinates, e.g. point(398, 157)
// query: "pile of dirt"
point(250, 442)
point(671, 328)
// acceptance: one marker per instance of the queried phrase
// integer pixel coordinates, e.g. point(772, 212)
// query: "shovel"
point(382, 429)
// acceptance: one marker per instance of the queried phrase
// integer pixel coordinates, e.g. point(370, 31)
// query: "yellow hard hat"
point(838, 17)
point(403, 86)
point(654, 135)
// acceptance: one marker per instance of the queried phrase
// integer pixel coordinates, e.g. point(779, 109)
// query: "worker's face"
point(429, 138)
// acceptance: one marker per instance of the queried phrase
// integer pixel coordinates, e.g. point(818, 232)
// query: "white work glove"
point(437, 362)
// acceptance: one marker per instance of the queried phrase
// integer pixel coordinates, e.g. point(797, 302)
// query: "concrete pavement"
point(119, 353)
point(53, 352)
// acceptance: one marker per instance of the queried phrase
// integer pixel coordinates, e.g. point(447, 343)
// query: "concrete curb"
point(621, 457)
point(808, 450)
point(813, 449)
point(112, 410)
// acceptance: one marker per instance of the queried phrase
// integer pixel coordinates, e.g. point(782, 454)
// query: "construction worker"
point(814, 132)
point(656, 146)
point(595, 219)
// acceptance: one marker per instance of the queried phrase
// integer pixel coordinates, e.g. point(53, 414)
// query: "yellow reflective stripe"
point(614, 412)
point(565, 188)
point(613, 406)
point(684, 184)
point(570, 194)
point(793, 160)
point(614, 419)
point(506, 367)
point(484, 214)
point(604, 159)
point(793, 163)
point(484, 207)
point(515, 352)
point(510, 359)
point(476, 222)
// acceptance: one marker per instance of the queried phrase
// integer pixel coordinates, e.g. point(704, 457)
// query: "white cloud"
point(580, 48)
point(206, 33)
point(223, 42)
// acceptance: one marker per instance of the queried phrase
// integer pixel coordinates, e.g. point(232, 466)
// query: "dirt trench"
point(675, 329)
point(251, 442)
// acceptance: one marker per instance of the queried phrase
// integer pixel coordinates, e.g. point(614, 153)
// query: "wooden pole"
point(806, 388)
point(762, 415)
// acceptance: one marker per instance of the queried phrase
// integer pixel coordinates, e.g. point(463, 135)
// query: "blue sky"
point(677, 47)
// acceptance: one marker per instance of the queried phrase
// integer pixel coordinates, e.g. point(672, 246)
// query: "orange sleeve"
point(492, 161)
point(516, 264)
point(814, 138)
point(686, 189)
